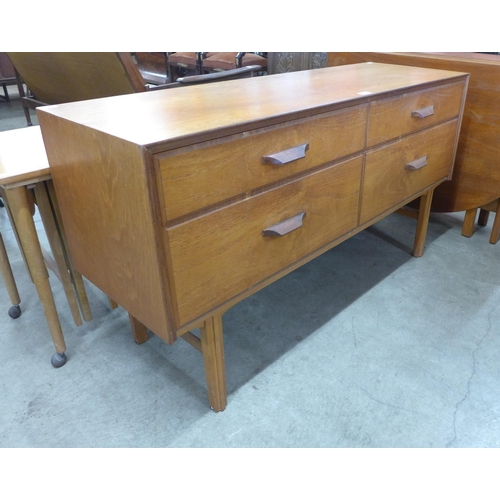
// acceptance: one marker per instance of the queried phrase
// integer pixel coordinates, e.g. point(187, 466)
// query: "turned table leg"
point(212, 346)
point(422, 223)
point(17, 199)
point(10, 282)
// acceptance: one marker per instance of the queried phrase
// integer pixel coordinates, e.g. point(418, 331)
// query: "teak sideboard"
point(180, 203)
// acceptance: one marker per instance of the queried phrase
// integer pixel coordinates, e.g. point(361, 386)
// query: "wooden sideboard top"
point(208, 111)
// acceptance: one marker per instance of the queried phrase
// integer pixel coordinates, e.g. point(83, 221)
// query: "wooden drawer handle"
point(417, 164)
point(286, 226)
point(287, 155)
point(423, 112)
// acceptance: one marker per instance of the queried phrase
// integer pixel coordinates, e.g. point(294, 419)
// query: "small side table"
point(24, 180)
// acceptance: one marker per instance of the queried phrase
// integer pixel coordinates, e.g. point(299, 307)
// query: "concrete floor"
point(364, 347)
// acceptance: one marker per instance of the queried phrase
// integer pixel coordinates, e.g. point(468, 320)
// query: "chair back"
point(153, 66)
point(59, 77)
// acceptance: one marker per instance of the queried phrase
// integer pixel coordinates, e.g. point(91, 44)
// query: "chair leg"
point(469, 221)
point(6, 96)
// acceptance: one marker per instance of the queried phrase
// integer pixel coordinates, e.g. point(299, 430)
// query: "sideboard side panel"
point(101, 178)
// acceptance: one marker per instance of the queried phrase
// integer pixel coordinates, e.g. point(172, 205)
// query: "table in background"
point(25, 179)
point(476, 177)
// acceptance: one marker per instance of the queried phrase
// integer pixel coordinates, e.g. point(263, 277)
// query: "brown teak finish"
point(386, 172)
point(219, 255)
point(185, 174)
point(397, 116)
point(476, 176)
point(173, 210)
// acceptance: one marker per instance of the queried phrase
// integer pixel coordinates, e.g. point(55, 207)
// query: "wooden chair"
point(59, 77)
point(10, 282)
point(223, 61)
point(180, 64)
point(153, 67)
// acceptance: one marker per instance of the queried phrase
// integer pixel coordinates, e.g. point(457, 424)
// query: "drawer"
point(391, 118)
point(221, 254)
point(191, 180)
point(387, 180)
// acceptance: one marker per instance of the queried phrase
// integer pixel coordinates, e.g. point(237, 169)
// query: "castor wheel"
point(58, 359)
point(15, 312)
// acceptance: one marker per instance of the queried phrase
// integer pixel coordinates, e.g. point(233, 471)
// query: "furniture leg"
point(10, 283)
point(469, 221)
point(22, 95)
point(55, 243)
point(422, 223)
point(213, 357)
point(76, 277)
point(483, 217)
point(139, 331)
point(495, 230)
point(16, 234)
point(17, 200)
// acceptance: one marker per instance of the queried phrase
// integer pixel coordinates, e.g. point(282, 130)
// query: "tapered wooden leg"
point(495, 230)
point(56, 246)
point(213, 357)
point(7, 275)
point(17, 199)
point(469, 221)
point(10, 282)
point(424, 211)
point(139, 331)
point(76, 277)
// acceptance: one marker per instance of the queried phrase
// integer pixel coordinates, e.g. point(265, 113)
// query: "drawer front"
point(191, 180)
point(217, 256)
point(387, 180)
point(391, 118)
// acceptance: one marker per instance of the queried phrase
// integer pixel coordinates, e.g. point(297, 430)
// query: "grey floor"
point(364, 347)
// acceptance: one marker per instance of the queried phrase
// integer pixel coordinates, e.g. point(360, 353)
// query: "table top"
point(175, 115)
point(23, 159)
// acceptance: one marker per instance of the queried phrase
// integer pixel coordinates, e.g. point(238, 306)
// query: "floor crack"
point(385, 403)
point(467, 392)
